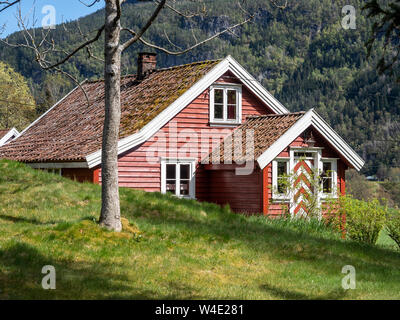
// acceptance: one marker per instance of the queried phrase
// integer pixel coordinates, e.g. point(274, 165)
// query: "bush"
point(393, 225)
point(364, 220)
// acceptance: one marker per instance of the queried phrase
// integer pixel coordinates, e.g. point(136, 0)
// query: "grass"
point(170, 249)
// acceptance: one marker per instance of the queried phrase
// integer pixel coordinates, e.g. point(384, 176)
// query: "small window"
point(327, 177)
point(282, 174)
point(304, 155)
point(225, 104)
point(177, 178)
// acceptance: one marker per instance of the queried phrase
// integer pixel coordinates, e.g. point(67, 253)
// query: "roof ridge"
point(271, 115)
point(160, 70)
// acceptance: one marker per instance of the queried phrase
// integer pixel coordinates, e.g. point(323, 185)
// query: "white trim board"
point(228, 64)
point(9, 135)
point(311, 117)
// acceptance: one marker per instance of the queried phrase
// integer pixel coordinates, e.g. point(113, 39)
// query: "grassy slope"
point(186, 250)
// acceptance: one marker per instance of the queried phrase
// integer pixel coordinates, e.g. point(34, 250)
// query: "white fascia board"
point(311, 118)
point(57, 103)
point(276, 148)
point(255, 87)
point(9, 135)
point(340, 145)
point(58, 165)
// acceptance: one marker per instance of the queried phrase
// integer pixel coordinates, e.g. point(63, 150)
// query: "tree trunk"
point(110, 210)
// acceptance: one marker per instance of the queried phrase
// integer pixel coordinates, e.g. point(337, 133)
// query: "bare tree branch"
point(154, 46)
point(136, 36)
point(8, 4)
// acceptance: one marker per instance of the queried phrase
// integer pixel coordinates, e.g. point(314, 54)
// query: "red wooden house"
point(206, 130)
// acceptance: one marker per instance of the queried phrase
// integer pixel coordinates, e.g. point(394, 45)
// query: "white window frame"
point(275, 194)
point(334, 174)
point(178, 162)
point(225, 88)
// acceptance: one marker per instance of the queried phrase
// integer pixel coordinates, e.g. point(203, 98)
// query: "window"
point(177, 177)
point(280, 172)
point(282, 177)
point(225, 104)
point(328, 177)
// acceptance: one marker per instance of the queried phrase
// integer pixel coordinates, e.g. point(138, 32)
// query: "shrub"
point(364, 220)
point(393, 225)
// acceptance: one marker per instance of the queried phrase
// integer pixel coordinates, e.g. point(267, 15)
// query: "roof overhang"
point(311, 118)
point(58, 165)
point(12, 133)
point(227, 64)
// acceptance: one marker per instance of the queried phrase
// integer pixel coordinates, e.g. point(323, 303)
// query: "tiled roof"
point(73, 128)
point(265, 130)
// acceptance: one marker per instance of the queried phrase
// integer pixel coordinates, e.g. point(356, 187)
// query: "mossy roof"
point(73, 129)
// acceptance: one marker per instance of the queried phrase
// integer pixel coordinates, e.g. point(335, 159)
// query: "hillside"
point(301, 54)
point(170, 249)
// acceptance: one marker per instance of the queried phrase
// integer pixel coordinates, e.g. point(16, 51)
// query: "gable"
point(312, 119)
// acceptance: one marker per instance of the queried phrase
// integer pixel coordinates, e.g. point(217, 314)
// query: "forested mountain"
point(300, 54)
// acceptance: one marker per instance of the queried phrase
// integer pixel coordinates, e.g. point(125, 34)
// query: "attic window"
point(225, 104)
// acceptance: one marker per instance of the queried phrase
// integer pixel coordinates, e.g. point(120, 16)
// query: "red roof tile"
point(73, 129)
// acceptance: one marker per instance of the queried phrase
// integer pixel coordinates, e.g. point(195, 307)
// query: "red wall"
point(242, 192)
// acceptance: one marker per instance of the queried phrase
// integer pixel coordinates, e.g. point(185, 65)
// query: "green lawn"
point(172, 249)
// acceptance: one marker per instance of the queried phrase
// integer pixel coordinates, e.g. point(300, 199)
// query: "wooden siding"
point(243, 193)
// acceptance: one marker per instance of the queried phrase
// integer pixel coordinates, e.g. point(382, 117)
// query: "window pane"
point(184, 188)
point(218, 111)
point(303, 154)
point(219, 96)
point(231, 112)
point(282, 165)
point(171, 186)
point(282, 186)
point(327, 168)
point(185, 171)
point(327, 178)
point(232, 97)
point(327, 185)
point(171, 171)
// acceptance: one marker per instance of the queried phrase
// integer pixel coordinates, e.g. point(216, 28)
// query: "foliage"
point(393, 225)
point(188, 250)
point(17, 106)
point(387, 23)
point(364, 219)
